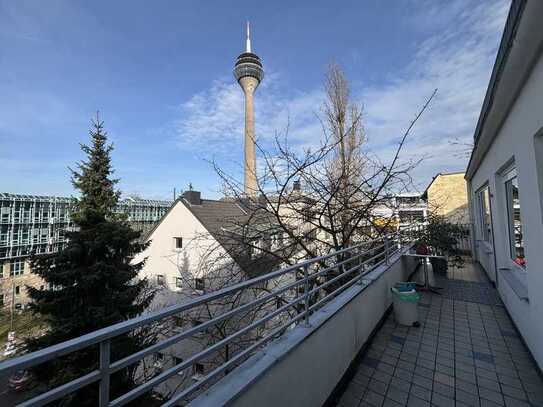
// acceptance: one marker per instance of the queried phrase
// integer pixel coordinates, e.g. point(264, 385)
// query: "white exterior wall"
point(517, 141)
point(198, 247)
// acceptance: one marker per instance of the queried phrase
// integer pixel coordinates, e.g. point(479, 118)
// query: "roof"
point(230, 222)
point(520, 48)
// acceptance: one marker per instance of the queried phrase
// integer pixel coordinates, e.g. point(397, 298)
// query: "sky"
point(160, 73)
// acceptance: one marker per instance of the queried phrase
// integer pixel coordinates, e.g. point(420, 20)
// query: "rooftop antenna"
point(248, 41)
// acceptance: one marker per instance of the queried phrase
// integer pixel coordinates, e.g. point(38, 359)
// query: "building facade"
point(447, 196)
point(38, 224)
point(505, 174)
point(401, 210)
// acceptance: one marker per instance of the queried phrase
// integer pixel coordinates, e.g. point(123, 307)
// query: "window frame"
point(19, 271)
point(176, 240)
point(199, 284)
point(484, 228)
point(508, 176)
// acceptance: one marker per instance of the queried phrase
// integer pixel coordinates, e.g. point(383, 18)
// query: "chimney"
point(192, 197)
point(296, 186)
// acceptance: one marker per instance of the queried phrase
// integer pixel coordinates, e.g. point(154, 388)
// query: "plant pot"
point(439, 266)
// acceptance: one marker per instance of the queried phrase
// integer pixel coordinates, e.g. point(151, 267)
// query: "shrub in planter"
point(441, 238)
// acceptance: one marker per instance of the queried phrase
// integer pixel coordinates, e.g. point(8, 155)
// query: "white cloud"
point(212, 121)
point(457, 60)
point(456, 57)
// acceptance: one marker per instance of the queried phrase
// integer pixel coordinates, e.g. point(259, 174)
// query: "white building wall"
point(517, 141)
point(199, 247)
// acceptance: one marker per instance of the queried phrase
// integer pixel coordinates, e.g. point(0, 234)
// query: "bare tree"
point(310, 202)
point(341, 183)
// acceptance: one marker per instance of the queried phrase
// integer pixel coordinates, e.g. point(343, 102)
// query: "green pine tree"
point(92, 282)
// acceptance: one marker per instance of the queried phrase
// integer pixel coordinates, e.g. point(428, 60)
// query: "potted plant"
point(441, 238)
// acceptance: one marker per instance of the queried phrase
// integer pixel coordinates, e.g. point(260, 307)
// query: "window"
point(160, 280)
point(484, 214)
point(197, 369)
point(178, 282)
point(178, 242)
point(516, 236)
point(199, 284)
point(411, 216)
point(17, 268)
point(17, 290)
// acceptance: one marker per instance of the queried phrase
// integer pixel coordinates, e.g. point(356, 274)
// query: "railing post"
point(362, 267)
point(386, 250)
point(306, 293)
point(105, 348)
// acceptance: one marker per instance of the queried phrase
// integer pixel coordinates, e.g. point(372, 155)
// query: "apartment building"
point(38, 224)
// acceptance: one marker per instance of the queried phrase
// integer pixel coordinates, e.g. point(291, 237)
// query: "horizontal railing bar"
point(212, 374)
point(218, 370)
point(350, 259)
point(62, 390)
point(329, 282)
point(332, 294)
point(125, 362)
point(111, 332)
point(321, 272)
point(95, 337)
point(143, 388)
point(189, 332)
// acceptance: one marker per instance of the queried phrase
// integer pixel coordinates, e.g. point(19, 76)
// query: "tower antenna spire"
point(248, 41)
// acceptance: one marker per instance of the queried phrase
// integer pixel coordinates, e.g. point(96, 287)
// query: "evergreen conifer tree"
point(92, 282)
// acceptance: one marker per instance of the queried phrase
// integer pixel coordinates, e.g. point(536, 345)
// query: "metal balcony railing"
point(313, 283)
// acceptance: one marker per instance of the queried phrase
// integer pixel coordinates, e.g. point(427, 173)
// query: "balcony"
point(332, 341)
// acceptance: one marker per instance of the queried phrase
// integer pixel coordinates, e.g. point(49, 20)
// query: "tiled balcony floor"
point(465, 353)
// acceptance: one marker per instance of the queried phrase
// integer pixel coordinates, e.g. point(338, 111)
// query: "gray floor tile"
point(378, 387)
point(421, 392)
point(443, 389)
point(488, 384)
point(397, 394)
point(373, 398)
point(513, 392)
point(465, 351)
point(414, 401)
point(392, 403)
point(511, 402)
point(442, 401)
point(491, 395)
point(467, 398)
point(444, 379)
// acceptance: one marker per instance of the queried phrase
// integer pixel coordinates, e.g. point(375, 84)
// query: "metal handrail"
point(104, 336)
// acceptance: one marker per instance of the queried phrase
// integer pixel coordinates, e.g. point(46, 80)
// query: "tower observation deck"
point(249, 73)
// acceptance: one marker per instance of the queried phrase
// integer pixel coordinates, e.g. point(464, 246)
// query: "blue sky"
point(161, 75)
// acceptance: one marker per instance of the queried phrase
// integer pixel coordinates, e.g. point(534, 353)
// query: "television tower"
point(249, 73)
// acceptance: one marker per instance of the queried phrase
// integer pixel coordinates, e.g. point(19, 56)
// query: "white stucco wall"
point(516, 142)
point(199, 247)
